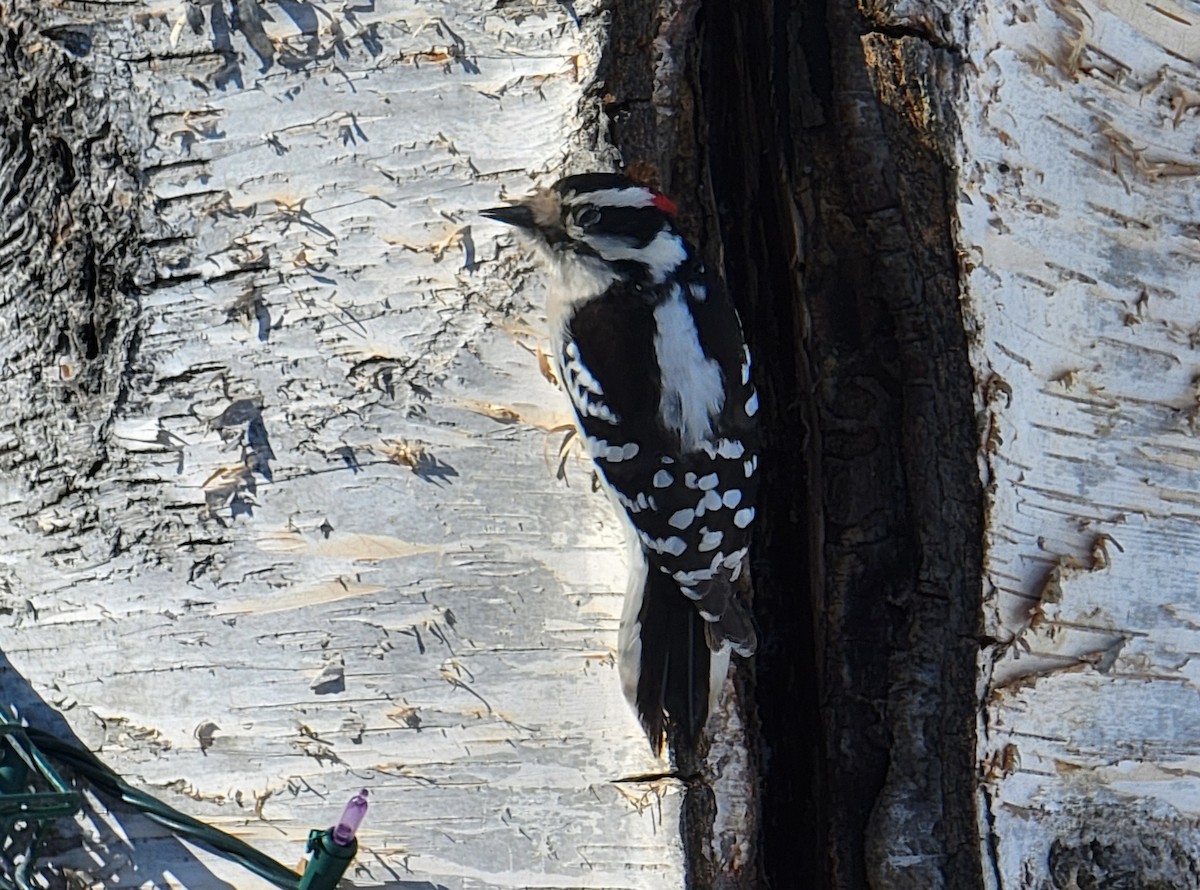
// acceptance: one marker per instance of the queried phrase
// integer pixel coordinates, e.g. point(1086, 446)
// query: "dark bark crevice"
point(825, 144)
point(842, 145)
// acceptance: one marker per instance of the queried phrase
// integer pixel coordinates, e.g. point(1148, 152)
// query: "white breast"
point(574, 279)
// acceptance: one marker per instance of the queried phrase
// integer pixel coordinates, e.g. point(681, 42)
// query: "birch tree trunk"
point(1080, 228)
point(286, 507)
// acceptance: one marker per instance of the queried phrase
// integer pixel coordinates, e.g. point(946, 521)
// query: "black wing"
point(692, 507)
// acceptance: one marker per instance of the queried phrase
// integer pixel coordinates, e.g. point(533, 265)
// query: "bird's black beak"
point(519, 215)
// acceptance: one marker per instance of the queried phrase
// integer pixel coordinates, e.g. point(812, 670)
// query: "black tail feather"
point(673, 675)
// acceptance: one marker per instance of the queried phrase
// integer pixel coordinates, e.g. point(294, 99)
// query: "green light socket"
point(328, 861)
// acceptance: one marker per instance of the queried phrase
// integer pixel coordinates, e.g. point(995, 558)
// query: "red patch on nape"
point(665, 204)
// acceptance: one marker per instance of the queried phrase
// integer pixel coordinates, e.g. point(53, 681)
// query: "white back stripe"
point(691, 386)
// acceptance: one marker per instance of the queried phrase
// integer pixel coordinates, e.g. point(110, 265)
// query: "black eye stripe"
point(639, 225)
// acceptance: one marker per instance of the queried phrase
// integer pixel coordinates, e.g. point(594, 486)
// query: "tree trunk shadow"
point(94, 848)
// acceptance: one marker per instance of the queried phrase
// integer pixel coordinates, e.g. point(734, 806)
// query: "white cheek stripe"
point(692, 392)
point(661, 256)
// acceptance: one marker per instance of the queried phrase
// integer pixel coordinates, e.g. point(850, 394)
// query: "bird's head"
point(602, 216)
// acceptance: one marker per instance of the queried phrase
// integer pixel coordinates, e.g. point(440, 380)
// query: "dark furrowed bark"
point(824, 148)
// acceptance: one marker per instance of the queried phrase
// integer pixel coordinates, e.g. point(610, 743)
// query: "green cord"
point(109, 783)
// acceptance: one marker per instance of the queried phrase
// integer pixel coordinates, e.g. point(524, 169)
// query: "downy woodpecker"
point(650, 351)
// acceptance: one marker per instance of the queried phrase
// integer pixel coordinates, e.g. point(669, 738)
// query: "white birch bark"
point(309, 536)
point(1079, 212)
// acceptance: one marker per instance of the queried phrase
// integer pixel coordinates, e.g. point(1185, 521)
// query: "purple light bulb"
point(352, 816)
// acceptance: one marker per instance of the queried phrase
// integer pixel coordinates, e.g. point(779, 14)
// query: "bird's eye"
point(587, 217)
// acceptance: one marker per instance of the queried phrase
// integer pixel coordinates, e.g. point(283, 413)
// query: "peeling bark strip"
point(281, 515)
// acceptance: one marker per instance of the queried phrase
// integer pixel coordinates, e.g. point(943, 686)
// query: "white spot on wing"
point(731, 498)
point(730, 448)
point(681, 519)
point(602, 412)
point(687, 579)
point(707, 482)
point(673, 545)
point(600, 449)
point(633, 505)
point(617, 453)
point(663, 479)
point(587, 381)
point(710, 540)
point(743, 517)
point(752, 404)
point(583, 387)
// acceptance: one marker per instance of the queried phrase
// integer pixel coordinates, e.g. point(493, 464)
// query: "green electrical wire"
point(107, 782)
